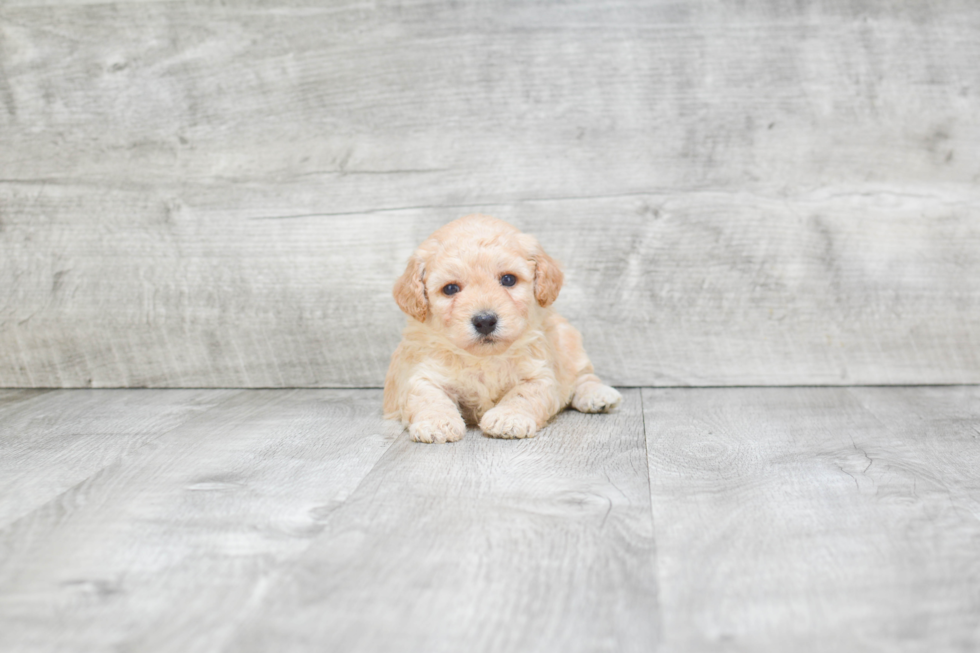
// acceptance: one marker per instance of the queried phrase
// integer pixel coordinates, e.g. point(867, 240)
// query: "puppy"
point(483, 345)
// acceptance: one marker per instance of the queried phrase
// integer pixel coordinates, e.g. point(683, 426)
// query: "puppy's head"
point(479, 282)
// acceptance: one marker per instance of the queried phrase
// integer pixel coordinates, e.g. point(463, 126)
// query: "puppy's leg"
point(589, 394)
point(594, 396)
point(523, 410)
point(431, 416)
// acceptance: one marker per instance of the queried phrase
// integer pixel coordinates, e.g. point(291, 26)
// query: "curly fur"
point(446, 374)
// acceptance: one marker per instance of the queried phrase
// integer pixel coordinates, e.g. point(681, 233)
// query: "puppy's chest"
point(477, 388)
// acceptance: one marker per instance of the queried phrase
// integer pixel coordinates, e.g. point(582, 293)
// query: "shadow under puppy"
point(483, 345)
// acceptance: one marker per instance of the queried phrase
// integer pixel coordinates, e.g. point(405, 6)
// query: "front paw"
point(503, 423)
point(596, 398)
point(437, 429)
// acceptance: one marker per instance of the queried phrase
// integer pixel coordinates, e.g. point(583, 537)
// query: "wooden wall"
point(221, 194)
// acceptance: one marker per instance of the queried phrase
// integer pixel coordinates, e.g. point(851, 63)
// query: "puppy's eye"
point(508, 280)
point(450, 289)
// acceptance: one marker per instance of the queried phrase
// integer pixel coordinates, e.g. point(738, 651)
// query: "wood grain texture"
point(164, 549)
point(208, 195)
point(699, 289)
point(51, 441)
point(815, 519)
point(760, 519)
point(483, 545)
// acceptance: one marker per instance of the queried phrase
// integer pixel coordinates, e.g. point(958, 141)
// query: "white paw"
point(437, 429)
point(503, 423)
point(596, 398)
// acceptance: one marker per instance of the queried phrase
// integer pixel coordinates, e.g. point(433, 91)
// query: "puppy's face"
point(479, 295)
point(478, 282)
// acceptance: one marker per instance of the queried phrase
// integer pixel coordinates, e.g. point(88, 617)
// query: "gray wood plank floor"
point(801, 519)
point(768, 519)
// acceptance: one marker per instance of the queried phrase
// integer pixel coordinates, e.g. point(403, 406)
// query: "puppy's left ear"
point(548, 277)
point(409, 290)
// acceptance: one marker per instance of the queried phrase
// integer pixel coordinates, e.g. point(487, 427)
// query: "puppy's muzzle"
point(485, 323)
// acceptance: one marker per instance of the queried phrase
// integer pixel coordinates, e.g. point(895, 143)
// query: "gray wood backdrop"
point(221, 194)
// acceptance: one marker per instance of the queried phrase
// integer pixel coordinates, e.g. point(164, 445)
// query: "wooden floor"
point(743, 519)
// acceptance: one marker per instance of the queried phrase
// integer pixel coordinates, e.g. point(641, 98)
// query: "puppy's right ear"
point(409, 290)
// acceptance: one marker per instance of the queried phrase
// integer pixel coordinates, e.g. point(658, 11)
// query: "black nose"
point(485, 323)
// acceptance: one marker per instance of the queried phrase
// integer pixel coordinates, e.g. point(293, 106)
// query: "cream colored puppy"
point(483, 344)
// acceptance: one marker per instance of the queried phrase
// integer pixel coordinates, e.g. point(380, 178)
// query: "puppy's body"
point(482, 344)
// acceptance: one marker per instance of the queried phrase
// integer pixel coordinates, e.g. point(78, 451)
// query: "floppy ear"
point(548, 278)
point(409, 290)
